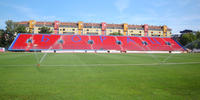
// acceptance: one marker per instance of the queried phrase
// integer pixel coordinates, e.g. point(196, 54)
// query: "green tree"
point(2, 38)
point(45, 30)
point(10, 32)
point(198, 39)
point(7, 36)
point(11, 27)
point(188, 38)
point(21, 29)
point(198, 35)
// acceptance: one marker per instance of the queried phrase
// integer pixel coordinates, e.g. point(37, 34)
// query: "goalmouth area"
point(99, 76)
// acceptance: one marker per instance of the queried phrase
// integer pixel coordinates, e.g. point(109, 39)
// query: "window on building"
point(73, 29)
point(63, 29)
point(140, 31)
point(87, 29)
point(90, 33)
point(135, 34)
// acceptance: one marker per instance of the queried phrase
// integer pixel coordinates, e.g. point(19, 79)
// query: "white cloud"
point(184, 2)
point(21, 9)
point(27, 13)
point(159, 3)
point(122, 5)
point(176, 23)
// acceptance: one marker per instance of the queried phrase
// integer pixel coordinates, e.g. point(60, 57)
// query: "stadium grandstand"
point(94, 37)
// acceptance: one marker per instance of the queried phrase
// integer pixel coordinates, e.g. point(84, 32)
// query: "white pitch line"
point(17, 65)
point(113, 64)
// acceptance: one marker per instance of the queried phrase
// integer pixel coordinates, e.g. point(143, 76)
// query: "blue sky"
point(176, 14)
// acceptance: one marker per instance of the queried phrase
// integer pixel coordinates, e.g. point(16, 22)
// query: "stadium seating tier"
point(87, 42)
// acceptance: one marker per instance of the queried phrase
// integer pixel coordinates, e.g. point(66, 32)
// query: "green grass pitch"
point(99, 76)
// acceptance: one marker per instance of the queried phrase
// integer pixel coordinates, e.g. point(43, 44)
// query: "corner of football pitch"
point(91, 76)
